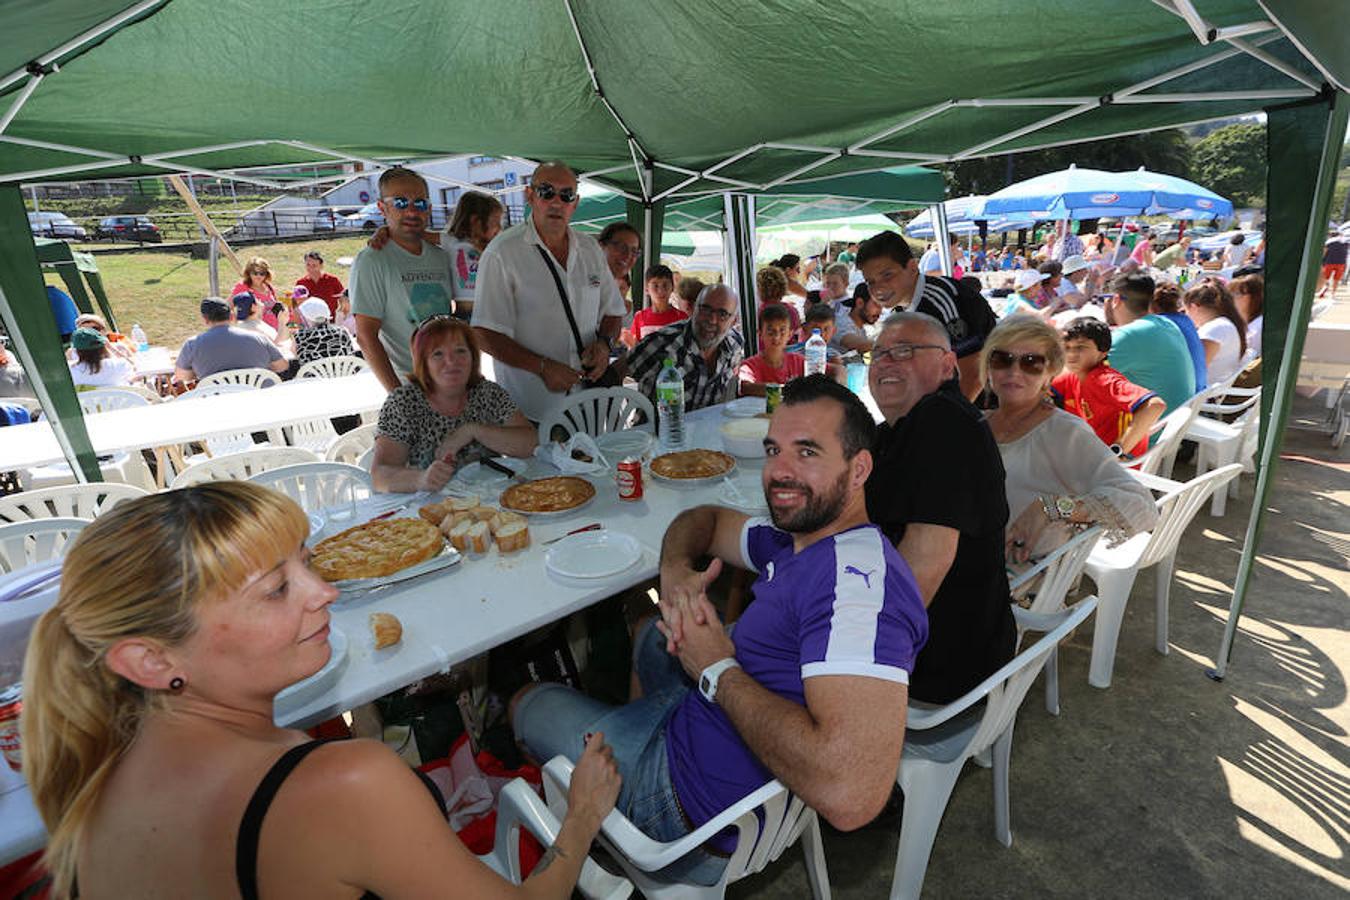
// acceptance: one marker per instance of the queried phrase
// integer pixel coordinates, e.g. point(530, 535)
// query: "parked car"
point(367, 217)
point(129, 228)
point(55, 225)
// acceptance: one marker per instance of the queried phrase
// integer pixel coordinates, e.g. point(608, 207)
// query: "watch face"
point(1066, 505)
point(704, 685)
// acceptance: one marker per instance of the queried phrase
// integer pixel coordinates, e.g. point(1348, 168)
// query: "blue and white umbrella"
point(1071, 194)
point(1179, 198)
point(964, 215)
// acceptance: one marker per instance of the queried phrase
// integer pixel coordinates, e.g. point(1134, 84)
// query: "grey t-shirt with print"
point(400, 289)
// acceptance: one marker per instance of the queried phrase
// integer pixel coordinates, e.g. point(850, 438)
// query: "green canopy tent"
point(744, 102)
point(75, 270)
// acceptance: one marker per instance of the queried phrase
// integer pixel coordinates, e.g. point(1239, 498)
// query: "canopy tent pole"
point(28, 317)
point(1303, 143)
point(938, 211)
point(739, 215)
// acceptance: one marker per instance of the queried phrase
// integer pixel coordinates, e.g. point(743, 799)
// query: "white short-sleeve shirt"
point(1228, 360)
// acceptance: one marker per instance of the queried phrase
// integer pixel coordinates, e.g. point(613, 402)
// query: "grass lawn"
point(162, 291)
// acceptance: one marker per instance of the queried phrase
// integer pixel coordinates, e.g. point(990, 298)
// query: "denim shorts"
point(553, 719)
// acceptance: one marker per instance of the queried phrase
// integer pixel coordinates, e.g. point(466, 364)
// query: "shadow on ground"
point(1169, 784)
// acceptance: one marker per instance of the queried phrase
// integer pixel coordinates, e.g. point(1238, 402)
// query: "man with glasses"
point(937, 492)
point(547, 308)
point(394, 289)
point(705, 349)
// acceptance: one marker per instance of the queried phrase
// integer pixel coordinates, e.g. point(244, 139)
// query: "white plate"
point(476, 475)
point(747, 495)
point(744, 408)
point(593, 554)
point(304, 691)
point(620, 445)
point(446, 558)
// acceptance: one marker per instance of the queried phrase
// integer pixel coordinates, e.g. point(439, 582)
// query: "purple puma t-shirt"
point(846, 605)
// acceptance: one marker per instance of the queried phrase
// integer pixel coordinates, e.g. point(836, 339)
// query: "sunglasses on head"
point(421, 204)
point(1030, 363)
point(430, 320)
point(546, 191)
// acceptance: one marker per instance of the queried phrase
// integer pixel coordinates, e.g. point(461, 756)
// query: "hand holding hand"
point(680, 591)
point(595, 782)
point(704, 642)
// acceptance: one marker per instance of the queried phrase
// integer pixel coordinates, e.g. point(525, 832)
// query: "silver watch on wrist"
point(707, 679)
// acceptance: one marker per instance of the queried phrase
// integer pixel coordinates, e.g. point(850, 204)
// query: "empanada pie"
point(376, 549)
point(692, 464)
point(561, 492)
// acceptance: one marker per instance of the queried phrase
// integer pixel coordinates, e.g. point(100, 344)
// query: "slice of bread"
point(503, 518)
point(513, 536)
point(434, 512)
point(484, 513)
point(479, 538)
point(459, 503)
point(386, 629)
point(459, 534)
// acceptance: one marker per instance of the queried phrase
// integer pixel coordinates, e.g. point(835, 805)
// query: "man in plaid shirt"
point(705, 349)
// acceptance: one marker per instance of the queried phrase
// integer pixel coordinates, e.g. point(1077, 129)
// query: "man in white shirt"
point(519, 315)
point(396, 288)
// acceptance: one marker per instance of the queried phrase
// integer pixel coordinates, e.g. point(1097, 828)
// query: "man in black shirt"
point(892, 274)
point(937, 492)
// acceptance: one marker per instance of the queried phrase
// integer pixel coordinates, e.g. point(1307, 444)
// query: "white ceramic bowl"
point(745, 437)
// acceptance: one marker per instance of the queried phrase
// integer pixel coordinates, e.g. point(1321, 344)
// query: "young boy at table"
point(1119, 411)
point(659, 285)
point(773, 364)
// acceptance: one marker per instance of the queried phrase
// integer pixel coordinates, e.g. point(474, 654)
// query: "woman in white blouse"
point(1059, 476)
point(1220, 325)
point(1249, 296)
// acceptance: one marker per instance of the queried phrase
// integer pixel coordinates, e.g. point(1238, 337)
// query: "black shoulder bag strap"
point(562, 297)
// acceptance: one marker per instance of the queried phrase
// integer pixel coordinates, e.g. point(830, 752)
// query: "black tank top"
point(250, 826)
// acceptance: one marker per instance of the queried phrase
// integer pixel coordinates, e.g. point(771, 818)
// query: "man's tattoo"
point(552, 853)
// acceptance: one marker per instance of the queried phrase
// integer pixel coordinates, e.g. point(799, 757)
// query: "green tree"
point(1232, 162)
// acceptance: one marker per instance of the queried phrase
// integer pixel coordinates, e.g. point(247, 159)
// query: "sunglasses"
point(546, 191)
point(431, 320)
point(902, 352)
point(1030, 363)
point(421, 204)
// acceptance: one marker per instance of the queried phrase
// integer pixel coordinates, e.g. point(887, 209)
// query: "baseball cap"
point(87, 339)
point(1074, 263)
point(1028, 278)
point(243, 303)
point(215, 308)
point(299, 292)
point(315, 310)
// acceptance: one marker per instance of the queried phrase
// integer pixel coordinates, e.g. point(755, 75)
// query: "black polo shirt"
point(939, 465)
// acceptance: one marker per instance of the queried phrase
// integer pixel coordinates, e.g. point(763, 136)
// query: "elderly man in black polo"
point(705, 349)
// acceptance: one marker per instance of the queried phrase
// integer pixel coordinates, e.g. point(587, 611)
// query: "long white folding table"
point(457, 613)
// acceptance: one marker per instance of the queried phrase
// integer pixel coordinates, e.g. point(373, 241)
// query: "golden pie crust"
point(376, 549)
point(556, 494)
point(690, 464)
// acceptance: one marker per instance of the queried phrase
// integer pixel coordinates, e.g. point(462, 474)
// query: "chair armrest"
point(1030, 621)
point(1022, 578)
point(1156, 482)
point(518, 806)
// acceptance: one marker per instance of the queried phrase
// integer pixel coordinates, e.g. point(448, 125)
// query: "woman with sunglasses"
point(148, 734)
point(1059, 477)
point(447, 415)
point(257, 280)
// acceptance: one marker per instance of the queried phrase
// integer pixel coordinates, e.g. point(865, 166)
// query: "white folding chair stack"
point(76, 501)
point(767, 822)
point(1113, 569)
point(332, 367)
point(349, 447)
point(36, 541)
point(939, 741)
point(1221, 443)
point(242, 465)
point(126, 466)
point(318, 485)
point(597, 411)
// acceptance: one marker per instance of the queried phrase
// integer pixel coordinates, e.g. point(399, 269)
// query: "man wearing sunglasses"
point(705, 349)
point(394, 289)
point(548, 310)
point(937, 492)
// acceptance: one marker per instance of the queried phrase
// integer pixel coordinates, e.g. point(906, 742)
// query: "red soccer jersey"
point(648, 320)
point(758, 371)
point(1106, 400)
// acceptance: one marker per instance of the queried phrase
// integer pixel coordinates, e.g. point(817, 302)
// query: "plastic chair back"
point(1178, 508)
point(318, 485)
point(254, 378)
point(105, 399)
point(349, 447)
point(75, 501)
point(242, 465)
point(37, 540)
point(1058, 571)
point(597, 411)
point(332, 367)
point(313, 434)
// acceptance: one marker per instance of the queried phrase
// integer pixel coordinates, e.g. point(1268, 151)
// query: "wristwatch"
point(707, 679)
point(1059, 508)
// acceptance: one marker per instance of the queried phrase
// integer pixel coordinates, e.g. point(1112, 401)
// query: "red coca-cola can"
point(11, 704)
point(630, 479)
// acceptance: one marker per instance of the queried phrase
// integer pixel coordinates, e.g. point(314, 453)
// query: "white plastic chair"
point(237, 442)
point(938, 743)
point(125, 466)
point(1113, 569)
point(318, 485)
point(142, 391)
point(104, 399)
point(1163, 453)
point(784, 819)
point(37, 540)
point(254, 378)
point(597, 411)
point(1222, 443)
point(332, 367)
point(312, 434)
point(76, 501)
point(242, 465)
point(367, 459)
point(349, 447)
point(1058, 572)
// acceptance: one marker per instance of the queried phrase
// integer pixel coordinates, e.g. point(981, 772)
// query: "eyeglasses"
point(720, 314)
point(902, 352)
point(1030, 363)
point(624, 249)
point(546, 191)
point(421, 204)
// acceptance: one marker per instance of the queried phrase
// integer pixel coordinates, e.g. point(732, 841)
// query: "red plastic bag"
point(470, 784)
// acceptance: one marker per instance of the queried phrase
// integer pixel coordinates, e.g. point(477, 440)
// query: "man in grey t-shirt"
point(395, 288)
point(222, 346)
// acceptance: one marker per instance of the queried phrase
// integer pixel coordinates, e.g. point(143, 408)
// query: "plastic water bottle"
point(815, 353)
point(138, 335)
point(670, 405)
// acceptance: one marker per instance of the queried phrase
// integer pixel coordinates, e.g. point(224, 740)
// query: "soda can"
point(11, 704)
point(773, 395)
point(630, 479)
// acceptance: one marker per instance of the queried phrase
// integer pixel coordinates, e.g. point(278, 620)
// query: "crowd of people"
point(880, 578)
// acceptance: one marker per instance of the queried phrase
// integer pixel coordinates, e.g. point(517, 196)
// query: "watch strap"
point(708, 678)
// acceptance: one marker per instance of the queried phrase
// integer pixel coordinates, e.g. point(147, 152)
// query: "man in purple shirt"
point(810, 688)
